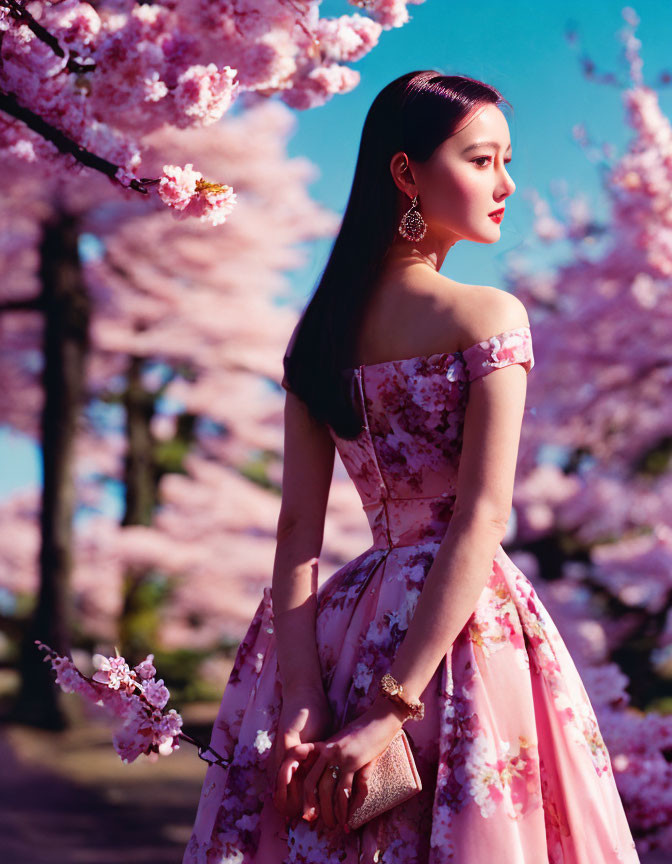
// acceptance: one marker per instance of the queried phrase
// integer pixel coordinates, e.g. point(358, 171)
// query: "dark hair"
point(414, 114)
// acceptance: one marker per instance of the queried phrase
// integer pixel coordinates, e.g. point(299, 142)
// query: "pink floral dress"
point(512, 762)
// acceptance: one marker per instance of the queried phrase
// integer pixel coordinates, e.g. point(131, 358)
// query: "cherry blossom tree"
point(594, 481)
point(82, 84)
point(179, 315)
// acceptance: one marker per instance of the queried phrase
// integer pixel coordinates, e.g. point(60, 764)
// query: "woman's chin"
point(492, 237)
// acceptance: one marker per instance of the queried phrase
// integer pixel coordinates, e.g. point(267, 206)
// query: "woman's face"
point(464, 180)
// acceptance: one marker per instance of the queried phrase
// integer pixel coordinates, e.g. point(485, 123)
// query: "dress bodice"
point(404, 462)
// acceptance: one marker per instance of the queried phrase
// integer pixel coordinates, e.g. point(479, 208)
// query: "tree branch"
point(10, 105)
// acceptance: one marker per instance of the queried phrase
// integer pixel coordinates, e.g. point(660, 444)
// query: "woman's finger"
point(295, 788)
point(282, 781)
point(312, 778)
point(285, 741)
point(325, 789)
point(360, 788)
point(294, 797)
point(293, 756)
point(342, 796)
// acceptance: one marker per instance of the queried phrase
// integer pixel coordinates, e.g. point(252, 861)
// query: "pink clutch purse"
point(394, 779)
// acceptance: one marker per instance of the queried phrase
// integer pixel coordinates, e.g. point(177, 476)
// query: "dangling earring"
point(412, 225)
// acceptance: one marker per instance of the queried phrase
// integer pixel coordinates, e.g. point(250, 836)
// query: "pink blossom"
point(185, 190)
point(68, 677)
point(144, 728)
point(113, 671)
point(156, 692)
point(150, 733)
point(146, 668)
point(348, 37)
point(204, 93)
point(178, 185)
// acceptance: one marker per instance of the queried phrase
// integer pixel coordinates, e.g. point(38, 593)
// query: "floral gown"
point(512, 762)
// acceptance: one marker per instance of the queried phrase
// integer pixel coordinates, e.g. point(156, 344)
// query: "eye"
point(479, 158)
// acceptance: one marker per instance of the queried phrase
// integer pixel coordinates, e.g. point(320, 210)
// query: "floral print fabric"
point(512, 762)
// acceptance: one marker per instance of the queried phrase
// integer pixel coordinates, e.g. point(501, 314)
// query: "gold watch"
point(390, 687)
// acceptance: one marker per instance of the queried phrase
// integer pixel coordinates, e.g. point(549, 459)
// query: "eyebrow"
point(494, 144)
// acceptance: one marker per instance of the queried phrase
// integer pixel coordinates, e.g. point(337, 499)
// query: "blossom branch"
point(218, 760)
point(135, 696)
point(10, 105)
point(184, 190)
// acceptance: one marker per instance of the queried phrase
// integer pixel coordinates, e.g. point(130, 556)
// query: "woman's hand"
point(305, 716)
point(354, 749)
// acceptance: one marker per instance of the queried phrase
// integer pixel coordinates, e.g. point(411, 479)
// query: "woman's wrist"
point(385, 707)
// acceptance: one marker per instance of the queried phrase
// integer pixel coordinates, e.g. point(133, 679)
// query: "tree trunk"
point(145, 464)
point(67, 312)
point(138, 623)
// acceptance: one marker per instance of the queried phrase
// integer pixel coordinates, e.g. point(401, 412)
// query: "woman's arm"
point(294, 593)
point(463, 563)
point(308, 465)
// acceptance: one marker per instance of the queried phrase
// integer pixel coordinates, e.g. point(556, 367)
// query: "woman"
point(392, 364)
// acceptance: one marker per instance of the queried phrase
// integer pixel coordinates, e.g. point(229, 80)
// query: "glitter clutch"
point(394, 779)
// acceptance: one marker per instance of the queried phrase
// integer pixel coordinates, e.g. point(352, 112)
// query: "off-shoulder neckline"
point(436, 353)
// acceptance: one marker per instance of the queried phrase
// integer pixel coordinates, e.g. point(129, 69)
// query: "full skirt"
point(509, 751)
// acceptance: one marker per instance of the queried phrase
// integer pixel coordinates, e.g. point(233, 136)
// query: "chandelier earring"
point(412, 225)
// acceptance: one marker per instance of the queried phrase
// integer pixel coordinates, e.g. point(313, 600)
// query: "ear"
point(402, 175)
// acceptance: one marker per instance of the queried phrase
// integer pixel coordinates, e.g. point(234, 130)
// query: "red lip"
point(497, 212)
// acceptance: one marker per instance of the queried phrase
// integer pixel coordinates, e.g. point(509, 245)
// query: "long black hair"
point(414, 114)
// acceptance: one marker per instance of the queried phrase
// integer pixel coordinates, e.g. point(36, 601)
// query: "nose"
point(510, 185)
point(508, 188)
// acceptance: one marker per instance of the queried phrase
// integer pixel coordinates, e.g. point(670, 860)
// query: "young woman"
point(420, 383)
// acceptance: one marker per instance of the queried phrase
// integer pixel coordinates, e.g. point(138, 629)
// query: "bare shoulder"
point(431, 313)
point(461, 314)
point(485, 311)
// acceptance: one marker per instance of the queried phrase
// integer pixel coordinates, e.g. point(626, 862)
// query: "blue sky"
point(520, 48)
